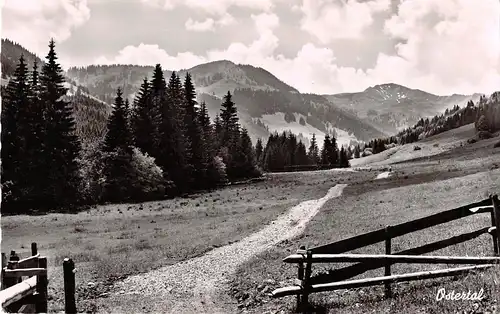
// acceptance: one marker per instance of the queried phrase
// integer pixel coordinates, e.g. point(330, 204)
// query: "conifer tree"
point(172, 158)
point(313, 151)
point(13, 140)
point(244, 157)
point(143, 122)
point(61, 145)
point(119, 134)
point(325, 150)
point(230, 135)
point(197, 168)
point(118, 162)
point(208, 148)
point(258, 150)
point(333, 152)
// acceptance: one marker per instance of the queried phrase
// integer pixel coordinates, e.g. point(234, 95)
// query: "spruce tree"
point(172, 158)
point(197, 169)
point(119, 134)
point(230, 135)
point(61, 147)
point(143, 120)
point(208, 148)
point(13, 140)
point(313, 151)
point(244, 158)
point(325, 150)
point(118, 161)
point(333, 152)
point(258, 150)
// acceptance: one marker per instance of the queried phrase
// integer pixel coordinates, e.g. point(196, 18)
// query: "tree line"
point(284, 152)
point(163, 144)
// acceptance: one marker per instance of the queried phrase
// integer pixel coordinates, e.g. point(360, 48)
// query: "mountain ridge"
point(266, 103)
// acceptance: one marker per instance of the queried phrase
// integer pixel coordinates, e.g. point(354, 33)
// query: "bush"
point(220, 169)
point(416, 147)
point(497, 144)
point(471, 141)
point(147, 178)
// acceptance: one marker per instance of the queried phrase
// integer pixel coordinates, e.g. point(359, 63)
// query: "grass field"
point(113, 241)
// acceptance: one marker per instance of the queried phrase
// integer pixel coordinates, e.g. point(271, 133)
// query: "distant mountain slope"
point(10, 53)
point(392, 107)
point(257, 93)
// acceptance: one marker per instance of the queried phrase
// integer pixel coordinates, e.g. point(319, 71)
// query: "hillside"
point(392, 107)
point(265, 103)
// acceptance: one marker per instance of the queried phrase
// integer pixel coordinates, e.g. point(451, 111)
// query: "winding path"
point(191, 286)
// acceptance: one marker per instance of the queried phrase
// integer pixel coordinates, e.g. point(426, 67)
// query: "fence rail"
point(332, 253)
point(31, 295)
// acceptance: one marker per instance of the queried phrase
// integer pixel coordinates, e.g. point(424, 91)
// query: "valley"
point(418, 184)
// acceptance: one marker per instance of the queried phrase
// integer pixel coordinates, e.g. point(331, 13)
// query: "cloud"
point(207, 25)
point(329, 20)
point(215, 7)
point(444, 47)
point(151, 55)
point(34, 22)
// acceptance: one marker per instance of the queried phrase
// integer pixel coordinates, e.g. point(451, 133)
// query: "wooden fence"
point(31, 294)
point(332, 253)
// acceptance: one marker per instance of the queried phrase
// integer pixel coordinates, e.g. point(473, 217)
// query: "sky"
point(317, 46)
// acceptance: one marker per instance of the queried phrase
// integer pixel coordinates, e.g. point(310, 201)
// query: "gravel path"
point(191, 286)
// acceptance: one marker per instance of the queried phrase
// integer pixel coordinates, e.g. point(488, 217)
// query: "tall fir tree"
point(325, 150)
point(230, 135)
point(197, 168)
point(13, 139)
point(208, 148)
point(143, 120)
point(258, 151)
point(314, 151)
point(172, 158)
point(61, 145)
point(119, 134)
point(118, 145)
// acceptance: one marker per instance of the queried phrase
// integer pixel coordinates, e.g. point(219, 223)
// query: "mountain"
point(265, 103)
point(392, 107)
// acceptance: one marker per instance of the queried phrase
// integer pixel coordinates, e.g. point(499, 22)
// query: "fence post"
point(12, 264)
point(34, 249)
point(69, 286)
point(41, 288)
point(4, 264)
point(387, 272)
point(306, 286)
point(300, 276)
point(495, 217)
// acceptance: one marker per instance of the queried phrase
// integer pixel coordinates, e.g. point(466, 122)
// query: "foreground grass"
point(113, 241)
point(370, 205)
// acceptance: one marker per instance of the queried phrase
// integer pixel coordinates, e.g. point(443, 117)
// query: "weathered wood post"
point(41, 287)
point(300, 275)
point(495, 217)
point(69, 286)
point(34, 249)
point(387, 272)
point(307, 279)
point(4, 264)
point(12, 264)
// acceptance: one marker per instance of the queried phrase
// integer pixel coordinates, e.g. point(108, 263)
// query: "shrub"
point(497, 144)
point(416, 147)
point(147, 178)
